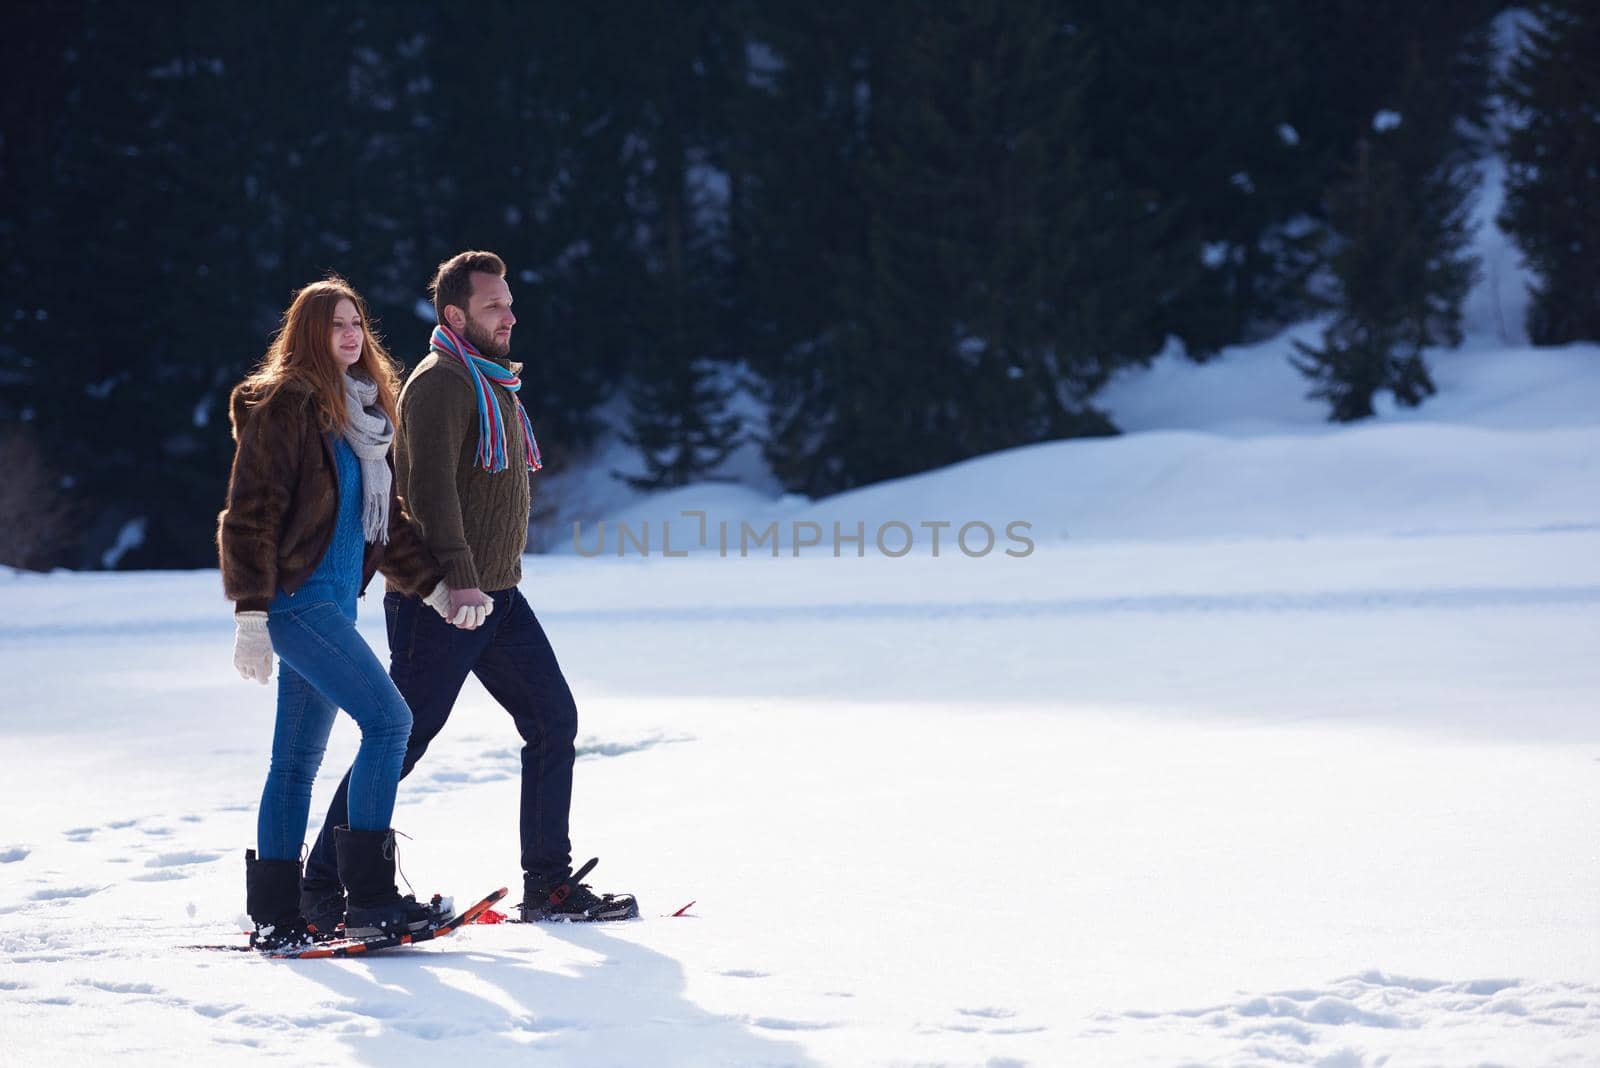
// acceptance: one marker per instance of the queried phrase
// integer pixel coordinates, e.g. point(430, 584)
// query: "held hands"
point(466, 609)
point(252, 646)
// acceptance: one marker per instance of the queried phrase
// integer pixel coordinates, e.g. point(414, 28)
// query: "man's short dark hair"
point(452, 283)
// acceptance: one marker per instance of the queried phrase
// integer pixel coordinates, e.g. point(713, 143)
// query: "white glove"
point(469, 608)
point(252, 646)
point(466, 609)
point(439, 600)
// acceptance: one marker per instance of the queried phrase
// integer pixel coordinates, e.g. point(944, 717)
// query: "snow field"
point(1207, 801)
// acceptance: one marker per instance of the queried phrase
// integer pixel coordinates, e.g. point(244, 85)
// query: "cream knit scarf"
point(369, 434)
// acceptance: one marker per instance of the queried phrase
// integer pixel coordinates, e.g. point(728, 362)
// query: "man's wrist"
point(460, 573)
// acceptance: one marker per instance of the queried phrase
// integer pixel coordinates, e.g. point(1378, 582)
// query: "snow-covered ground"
point(1281, 746)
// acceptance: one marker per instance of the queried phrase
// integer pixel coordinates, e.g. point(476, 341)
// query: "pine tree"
point(801, 221)
point(1401, 265)
point(1552, 207)
point(129, 279)
point(679, 420)
point(992, 227)
point(39, 235)
point(1197, 106)
point(678, 387)
point(970, 275)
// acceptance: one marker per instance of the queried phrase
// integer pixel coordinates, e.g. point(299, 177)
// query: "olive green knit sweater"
point(474, 522)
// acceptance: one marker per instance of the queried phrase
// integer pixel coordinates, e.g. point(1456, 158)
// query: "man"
point(463, 449)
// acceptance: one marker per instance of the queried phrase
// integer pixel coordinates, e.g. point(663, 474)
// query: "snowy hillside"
point(1228, 448)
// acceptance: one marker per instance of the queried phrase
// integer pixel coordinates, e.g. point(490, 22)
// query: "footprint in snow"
point(119, 988)
point(1377, 1001)
point(745, 973)
point(169, 866)
point(173, 860)
point(14, 854)
point(596, 748)
point(58, 893)
point(776, 1023)
point(451, 777)
point(984, 1020)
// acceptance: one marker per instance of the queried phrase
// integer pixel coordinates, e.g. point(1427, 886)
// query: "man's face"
point(488, 319)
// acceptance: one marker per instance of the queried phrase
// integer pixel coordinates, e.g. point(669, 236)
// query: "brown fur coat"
point(283, 501)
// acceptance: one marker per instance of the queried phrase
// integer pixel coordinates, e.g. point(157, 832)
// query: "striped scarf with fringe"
point(491, 429)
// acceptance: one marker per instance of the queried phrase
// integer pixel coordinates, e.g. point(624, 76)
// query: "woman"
point(311, 514)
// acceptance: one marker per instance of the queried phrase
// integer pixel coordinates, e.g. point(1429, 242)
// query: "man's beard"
point(484, 342)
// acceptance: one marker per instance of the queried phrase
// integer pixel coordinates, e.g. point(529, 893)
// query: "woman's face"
point(348, 336)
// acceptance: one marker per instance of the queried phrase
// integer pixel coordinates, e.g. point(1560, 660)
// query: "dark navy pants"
point(429, 662)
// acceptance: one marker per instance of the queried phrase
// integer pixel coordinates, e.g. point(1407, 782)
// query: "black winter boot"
point(570, 901)
point(322, 904)
point(272, 890)
point(366, 866)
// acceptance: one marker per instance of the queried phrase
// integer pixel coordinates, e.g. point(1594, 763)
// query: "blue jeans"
point(430, 661)
point(325, 665)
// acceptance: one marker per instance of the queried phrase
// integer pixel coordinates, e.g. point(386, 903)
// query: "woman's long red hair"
point(300, 350)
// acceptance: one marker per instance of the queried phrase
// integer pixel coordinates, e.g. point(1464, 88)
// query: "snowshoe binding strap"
point(563, 890)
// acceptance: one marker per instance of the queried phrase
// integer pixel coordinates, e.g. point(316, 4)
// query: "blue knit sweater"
point(338, 575)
